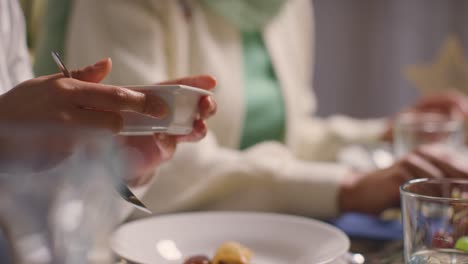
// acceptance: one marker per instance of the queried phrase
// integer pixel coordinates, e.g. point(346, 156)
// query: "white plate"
point(273, 238)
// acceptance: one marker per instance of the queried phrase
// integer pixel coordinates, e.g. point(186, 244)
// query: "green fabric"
point(55, 23)
point(265, 111)
point(247, 15)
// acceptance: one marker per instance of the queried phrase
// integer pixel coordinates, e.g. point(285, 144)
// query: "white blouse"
point(15, 66)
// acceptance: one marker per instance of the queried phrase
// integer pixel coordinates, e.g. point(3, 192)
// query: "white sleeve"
point(19, 65)
point(129, 32)
point(266, 177)
point(322, 138)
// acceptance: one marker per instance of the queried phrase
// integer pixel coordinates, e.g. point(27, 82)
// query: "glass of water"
point(435, 219)
point(414, 129)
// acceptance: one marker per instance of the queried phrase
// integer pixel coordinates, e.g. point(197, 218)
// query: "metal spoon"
point(60, 64)
point(122, 188)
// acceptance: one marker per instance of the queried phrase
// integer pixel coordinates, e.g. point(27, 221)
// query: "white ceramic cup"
point(182, 101)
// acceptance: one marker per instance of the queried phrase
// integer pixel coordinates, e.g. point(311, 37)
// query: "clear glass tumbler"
point(57, 193)
point(414, 129)
point(435, 218)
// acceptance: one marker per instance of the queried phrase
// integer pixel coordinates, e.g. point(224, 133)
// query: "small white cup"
point(182, 101)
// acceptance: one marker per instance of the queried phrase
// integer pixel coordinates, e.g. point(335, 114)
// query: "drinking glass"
point(435, 219)
point(57, 195)
point(414, 129)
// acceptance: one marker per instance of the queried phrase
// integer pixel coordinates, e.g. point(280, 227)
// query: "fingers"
point(140, 180)
point(98, 119)
point(449, 163)
point(404, 174)
point(206, 82)
point(113, 98)
point(167, 145)
point(417, 167)
point(94, 73)
point(445, 103)
point(388, 132)
point(207, 107)
point(86, 93)
point(152, 151)
point(141, 154)
point(199, 131)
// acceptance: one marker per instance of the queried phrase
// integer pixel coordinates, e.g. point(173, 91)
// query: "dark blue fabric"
point(369, 227)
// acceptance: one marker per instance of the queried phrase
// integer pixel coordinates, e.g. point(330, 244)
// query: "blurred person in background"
point(265, 149)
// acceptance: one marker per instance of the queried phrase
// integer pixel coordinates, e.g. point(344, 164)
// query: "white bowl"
point(273, 238)
point(183, 109)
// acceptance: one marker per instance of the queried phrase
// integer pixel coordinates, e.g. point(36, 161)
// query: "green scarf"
point(247, 15)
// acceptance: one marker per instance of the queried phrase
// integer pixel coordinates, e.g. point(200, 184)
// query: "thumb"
point(94, 73)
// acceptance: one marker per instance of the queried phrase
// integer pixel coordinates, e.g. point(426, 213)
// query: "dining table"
point(378, 239)
point(378, 251)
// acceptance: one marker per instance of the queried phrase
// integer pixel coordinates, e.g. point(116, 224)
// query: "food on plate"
point(199, 259)
point(227, 253)
point(232, 253)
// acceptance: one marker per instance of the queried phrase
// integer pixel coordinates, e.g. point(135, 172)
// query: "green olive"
point(462, 243)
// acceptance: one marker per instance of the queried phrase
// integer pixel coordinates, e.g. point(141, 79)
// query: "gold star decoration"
point(449, 71)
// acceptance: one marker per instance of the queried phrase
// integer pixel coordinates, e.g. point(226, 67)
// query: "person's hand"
point(41, 119)
point(151, 151)
point(379, 190)
point(77, 102)
point(449, 103)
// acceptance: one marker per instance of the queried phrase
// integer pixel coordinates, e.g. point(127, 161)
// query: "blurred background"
point(365, 46)
point(33, 11)
point(363, 49)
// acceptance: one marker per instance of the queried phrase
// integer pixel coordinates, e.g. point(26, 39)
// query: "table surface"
point(383, 252)
point(378, 239)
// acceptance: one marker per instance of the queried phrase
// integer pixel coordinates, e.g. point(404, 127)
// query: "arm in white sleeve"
point(19, 65)
point(266, 177)
point(126, 31)
point(322, 138)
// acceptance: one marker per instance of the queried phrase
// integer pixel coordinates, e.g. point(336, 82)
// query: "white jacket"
point(152, 40)
point(15, 66)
